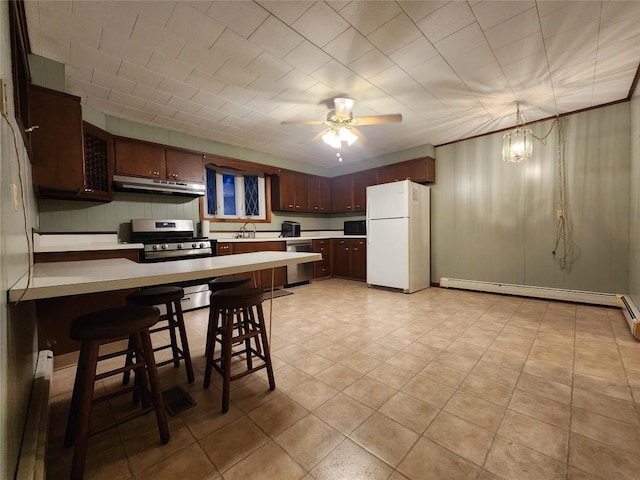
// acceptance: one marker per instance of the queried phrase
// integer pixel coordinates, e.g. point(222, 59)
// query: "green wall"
point(18, 346)
point(496, 222)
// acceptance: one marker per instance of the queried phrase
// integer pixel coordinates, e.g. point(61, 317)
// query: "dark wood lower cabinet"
point(349, 258)
point(262, 278)
point(322, 268)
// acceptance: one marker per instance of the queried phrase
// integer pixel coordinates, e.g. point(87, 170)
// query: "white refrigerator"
point(398, 236)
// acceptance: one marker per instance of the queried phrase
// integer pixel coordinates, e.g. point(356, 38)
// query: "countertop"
point(59, 279)
point(284, 239)
point(72, 242)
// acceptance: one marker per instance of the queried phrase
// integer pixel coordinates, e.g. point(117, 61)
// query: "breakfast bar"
point(60, 279)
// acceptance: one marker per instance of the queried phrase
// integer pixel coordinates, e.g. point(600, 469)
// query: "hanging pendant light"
point(517, 144)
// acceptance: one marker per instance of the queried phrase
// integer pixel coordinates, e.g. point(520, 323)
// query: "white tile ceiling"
point(232, 71)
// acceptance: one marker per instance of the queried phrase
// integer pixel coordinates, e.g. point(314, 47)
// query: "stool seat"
point(238, 297)
point(222, 283)
point(113, 323)
point(155, 296)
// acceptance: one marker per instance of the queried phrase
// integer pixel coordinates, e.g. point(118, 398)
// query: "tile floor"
point(441, 384)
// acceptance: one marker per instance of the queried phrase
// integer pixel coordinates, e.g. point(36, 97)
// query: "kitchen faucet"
point(243, 231)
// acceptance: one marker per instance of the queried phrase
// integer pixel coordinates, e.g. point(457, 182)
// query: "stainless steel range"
point(170, 240)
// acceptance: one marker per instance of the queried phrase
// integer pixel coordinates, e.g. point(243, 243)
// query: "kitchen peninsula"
point(59, 279)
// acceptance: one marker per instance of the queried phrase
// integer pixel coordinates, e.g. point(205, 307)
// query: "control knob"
point(194, 245)
point(155, 247)
point(179, 246)
point(164, 246)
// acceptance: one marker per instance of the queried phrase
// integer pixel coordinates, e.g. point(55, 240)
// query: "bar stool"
point(232, 307)
point(170, 297)
point(100, 328)
point(222, 283)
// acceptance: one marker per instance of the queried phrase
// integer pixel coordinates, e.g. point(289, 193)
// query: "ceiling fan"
point(341, 124)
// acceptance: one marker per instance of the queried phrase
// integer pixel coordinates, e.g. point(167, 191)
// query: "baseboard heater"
point(33, 452)
point(609, 299)
point(631, 314)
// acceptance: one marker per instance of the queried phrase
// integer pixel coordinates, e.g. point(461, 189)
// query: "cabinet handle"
point(348, 206)
point(290, 205)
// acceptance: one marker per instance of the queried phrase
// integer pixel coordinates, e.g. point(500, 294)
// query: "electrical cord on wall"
point(564, 249)
point(24, 208)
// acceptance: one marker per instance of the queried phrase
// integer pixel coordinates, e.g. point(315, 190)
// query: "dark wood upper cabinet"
point(184, 166)
point(136, 158)
point(319, 194)
point(69, 159)
point(140, 159)
point(360, 181)
point(341, 194)
point(290, 191)
point(421, 170)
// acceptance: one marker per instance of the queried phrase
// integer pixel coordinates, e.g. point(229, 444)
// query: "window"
point(235, 195)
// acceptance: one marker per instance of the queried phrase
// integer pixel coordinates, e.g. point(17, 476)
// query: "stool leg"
point(186, 354)
point(72, 423)
point(172, 333)
point(161, 415)
point(265, 347)
point(210, 327)
point(140, 374)
point(128, 361)
point(84, 413)
point(210, 348)
point(246, 314)
point(227, 347)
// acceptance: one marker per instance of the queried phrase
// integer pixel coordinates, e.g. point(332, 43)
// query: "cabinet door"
point(319, 194)
point(360, 181)
point(284, 191)
point(358, 259)
point(342, 194)
point(56, 145)
point(301, 187)
point(184, 166)
point(341, 254)
point(139, 159)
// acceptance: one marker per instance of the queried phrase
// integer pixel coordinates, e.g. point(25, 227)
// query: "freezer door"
point(388, 253)
point(388, 200)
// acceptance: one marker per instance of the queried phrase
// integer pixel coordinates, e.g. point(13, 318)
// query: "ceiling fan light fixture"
point(517, 144)
point(336, 136)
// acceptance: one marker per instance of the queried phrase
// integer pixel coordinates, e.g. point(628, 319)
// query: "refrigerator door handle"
point(367, 222)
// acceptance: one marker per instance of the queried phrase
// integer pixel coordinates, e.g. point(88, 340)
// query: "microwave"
point(290, 229)
point(355, 227)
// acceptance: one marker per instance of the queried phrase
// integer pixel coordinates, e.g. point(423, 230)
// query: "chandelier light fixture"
point(336, 135)
point(517, 144)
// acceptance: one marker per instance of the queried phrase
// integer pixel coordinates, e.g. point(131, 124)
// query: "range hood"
point(151, 185)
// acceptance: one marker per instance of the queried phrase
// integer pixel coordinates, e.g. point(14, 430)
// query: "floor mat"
point(176, 401)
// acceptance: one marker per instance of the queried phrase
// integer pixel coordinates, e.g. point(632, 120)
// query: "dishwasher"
point(302, 272)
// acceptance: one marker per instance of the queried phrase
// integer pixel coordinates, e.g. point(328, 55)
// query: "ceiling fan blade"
point(357, 133)
point(309, 122)
point(319, 135)
point(378, 119)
